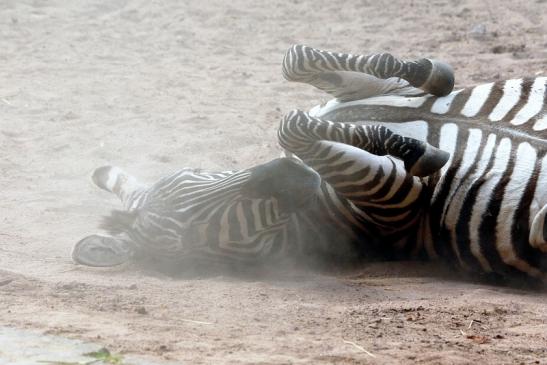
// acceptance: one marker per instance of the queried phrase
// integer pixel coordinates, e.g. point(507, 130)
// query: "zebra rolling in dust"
point(396, 166)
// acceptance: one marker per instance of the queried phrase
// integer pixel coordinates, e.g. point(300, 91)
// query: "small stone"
point(141, 310)
point(498, 49)
point(70, 116)
point(163, 348)
point(478, 31)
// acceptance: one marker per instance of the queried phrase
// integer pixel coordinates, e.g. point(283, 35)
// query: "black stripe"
point(526, 88)
point(463, 239)
point(520, 228)
point(354, 177)
point(493, 99)
point(249, 217)
point(472, 168)
point(234, 228)
point(327, 169)
point(352, 62)
point(387, 185)
point(402, 192)
point(440, 234)
point(459, 101)
point(487, 230)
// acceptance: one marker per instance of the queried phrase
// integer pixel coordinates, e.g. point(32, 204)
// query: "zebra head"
point(242, 214)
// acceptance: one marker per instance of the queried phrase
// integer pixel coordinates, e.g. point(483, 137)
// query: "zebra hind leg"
point(352, 77)
point(298, 132)
point(102, 251)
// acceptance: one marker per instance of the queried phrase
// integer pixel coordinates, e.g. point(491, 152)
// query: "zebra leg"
point(299, 131)
point(352, 77)
point(538, 231)
point(355, 162)
point(116, 181)
point(102, 251)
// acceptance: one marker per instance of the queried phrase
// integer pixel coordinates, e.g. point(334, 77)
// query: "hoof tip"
point(431, 161)
point(441, 79)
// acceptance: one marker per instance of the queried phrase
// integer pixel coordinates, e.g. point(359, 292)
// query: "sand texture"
point(153, 86)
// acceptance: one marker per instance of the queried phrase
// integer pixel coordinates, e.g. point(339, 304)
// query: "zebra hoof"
point(441, 79)
point(430, 162)
point(101, 251)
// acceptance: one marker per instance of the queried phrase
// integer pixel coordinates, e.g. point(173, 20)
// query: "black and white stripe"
point(386, 167)
point(488, 203)
point(328, 71)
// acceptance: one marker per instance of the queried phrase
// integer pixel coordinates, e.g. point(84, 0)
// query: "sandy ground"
point(156, 85)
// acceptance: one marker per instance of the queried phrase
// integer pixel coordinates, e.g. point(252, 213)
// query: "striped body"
point(193, 213)
point(397, 166)
point(484, 201)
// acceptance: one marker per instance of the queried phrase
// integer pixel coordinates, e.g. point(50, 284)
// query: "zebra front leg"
point(298, 131)
point(353, 77)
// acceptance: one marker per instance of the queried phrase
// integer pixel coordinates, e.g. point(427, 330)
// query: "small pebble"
point(478, 31)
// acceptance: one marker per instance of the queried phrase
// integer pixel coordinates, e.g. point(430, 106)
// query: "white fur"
point(534, 104)
point(525, 160)
point(477, 99)
point(511, 96)
point(541, 123)
point(442, 105)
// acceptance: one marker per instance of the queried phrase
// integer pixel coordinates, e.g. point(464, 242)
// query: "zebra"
point(396, 165)
point(256, 215)
point(486, 207)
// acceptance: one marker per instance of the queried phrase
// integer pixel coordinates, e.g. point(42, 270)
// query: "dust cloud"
point(155, 86)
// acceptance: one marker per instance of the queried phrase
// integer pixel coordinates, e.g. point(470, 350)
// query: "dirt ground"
point(153, 86)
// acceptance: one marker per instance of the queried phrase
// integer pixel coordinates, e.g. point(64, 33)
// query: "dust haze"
point(154, 86)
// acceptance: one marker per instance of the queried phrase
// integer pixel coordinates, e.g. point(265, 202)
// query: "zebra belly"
point(485, 198)
point(484, 203)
